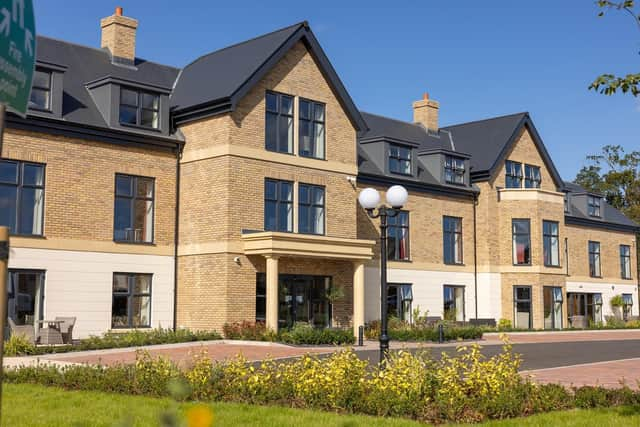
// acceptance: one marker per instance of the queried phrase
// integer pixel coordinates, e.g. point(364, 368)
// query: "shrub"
point(306, 334)
point(246, 330)
point(504, 325)
point(137, 338)
point(18, 345)
point(402, 331)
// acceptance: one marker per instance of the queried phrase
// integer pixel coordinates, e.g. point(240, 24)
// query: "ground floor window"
point(399, 299)
point(627, 304)
point(453, 303)
point(301, 299)
point(522, 307)
point(25, 297)
point(584, 308)
point(552, 300)
point(131, 307)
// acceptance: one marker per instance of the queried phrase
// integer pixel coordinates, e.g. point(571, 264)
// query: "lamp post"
point(369, 198)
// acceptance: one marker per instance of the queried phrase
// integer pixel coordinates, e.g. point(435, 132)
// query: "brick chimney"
point(119, 36)
point(425, 111)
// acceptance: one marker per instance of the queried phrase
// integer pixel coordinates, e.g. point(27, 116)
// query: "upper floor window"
point(452, 234)
point(532, 176)
point(594, 259)
point(41, 90)
point(21, 197)
point(593, 206)
point(133, 218)
point(398, 237)
point(551, 243)
point(311, 209)
point(399, 159)
point(521, 230)
point(131, 306)
point(514, 174)
point(625, 261)
point(278, 205)
point(139, 108)
point(279, 123)
point(453, 170)
point(311, 122)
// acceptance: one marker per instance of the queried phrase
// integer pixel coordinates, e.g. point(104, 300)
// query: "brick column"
point(358, 296)
point(272, 292)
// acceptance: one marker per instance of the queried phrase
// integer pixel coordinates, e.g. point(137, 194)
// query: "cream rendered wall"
point(79, 284)
point(489, 296)
point(607, 290)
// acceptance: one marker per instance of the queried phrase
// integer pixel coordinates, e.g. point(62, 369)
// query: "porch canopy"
point(273, 245)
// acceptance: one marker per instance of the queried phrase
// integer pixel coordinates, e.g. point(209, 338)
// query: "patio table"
point(51, 334)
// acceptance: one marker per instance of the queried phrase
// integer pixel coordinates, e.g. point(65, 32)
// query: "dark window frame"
point(444, 301)
point(19, 185)
point(140, 108)
point(399, 158)
point(532, 176)
point(449, 259)
point(625, 261)
point(513, 174)
point(49, 90)
point(516, 300)
point(130, 296)
point(627, 307)
point(134, 198)
point(278, 115)
point(400, 299)
point(594, 206)
point(392, 224)
point(278, 202)
point(591, 245)
point(453, 173)
point(546, 237)
point(313, 122)
point(513, 241)
point(309, 204)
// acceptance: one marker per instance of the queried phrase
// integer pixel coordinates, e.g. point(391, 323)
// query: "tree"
point(616, 175)
point(609, 84)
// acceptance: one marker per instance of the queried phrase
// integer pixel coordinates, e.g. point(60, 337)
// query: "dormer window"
point(453, 170)
point(513, 174)
point(138, 108)
point(41, 90)
point(531, 176)
point(399, 159)
point(593, 206)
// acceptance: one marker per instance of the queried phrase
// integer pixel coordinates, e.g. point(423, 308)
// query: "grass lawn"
point(30, 406)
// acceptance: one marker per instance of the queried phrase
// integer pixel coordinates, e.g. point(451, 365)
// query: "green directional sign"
point(17, 53)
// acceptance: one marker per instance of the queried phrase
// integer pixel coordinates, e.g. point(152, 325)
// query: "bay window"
point(521, 230)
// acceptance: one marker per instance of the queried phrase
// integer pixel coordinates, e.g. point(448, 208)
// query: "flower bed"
point(300, 334)
point(402, 331)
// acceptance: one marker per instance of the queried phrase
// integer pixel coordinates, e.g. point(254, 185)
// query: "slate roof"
point(608, 213)
point(85, 64)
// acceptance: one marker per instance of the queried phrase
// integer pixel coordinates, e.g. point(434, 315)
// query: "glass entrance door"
point(303, 299)
point(25, 297)
point(552, 301)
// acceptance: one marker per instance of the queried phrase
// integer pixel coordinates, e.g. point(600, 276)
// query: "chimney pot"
point(425, 95)
point(118, 11)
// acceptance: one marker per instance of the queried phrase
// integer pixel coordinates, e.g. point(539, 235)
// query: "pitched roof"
point(608, 214)
point(215, 82)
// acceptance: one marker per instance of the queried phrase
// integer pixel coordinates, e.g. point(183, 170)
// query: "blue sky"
point(478, 58)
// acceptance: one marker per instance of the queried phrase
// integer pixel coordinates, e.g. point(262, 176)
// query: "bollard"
point(360, 335)
point(440, 333)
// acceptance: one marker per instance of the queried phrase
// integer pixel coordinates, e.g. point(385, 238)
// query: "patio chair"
point(579, 322)
point(66, 328)
point(28, 331)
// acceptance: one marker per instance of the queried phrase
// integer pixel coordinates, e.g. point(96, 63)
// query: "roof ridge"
point(299, 24)
point(99, 49)
point(487, 119)
point(396, 120)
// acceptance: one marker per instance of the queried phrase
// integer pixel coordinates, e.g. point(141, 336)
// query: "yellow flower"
point(200, 416)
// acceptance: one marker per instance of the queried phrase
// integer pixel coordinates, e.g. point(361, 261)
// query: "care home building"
point(142, 195)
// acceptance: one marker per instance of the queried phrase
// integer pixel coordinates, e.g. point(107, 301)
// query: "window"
point(627, 304)
point(41, 90)
point(25, 297)
point(521, 229)
point(399, 159)
point(552, 301)
point(453, 303)
point(593, 206)
point(453, 170)
point(594, 259)
point(584, 308)
point(279, 123)
point(452, 238)
point(522, 307)
point(399, 298)
point(261, 297)
point(398, 237)
point(551, 243)
point(139, 108)
point(311, 209)
point(278, 205)
point(514, 174)
point(625, 261)
point(131, 306)
point(133, 209)
point(311, 134)
point(21, 197)
point(531, 176)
